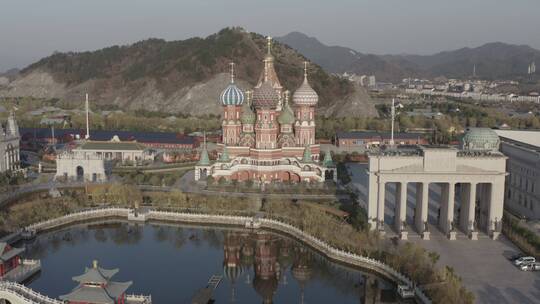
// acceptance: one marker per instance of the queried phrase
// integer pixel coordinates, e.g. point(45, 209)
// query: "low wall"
point(325, 249)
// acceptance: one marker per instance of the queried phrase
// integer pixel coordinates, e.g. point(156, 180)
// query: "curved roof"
point(479, 139)
point(265, 96)
point(231, 96)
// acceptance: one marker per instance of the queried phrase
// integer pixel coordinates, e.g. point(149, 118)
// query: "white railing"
point(78, 216)
point(27, 294)
point(320, 245)
point(142, 299)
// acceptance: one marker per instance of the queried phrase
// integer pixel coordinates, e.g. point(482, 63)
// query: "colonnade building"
point(470, 181)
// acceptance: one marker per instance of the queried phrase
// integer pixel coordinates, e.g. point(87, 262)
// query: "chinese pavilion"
point(95, 287)
point(10, 258)
point(265, 137)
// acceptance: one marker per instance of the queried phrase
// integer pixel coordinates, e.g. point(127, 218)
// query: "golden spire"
point(232, 71)
point(265, 70)
point(287, 94)
point(269, 44)
point(305, 69)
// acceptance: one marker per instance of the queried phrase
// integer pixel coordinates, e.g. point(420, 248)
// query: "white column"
point(468, 207)
point(380, 205)
point(447, 206)
point(372, 200)
point(496, 203)
point(421, 214)
point(401, 205)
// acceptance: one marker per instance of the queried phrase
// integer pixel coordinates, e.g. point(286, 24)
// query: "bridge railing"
point(29, 295)
point(77, 216)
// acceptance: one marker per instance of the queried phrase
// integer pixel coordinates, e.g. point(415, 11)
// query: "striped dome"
point(305, 95)
point(265, 96)
point(232, 96)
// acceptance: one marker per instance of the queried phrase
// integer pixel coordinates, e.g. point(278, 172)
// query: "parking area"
point(485, 269)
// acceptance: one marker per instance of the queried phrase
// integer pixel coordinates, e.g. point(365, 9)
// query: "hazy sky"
point(31, 29)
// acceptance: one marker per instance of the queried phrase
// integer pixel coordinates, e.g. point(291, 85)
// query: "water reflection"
point(258, 267)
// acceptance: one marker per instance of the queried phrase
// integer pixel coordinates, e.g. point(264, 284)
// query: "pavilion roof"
point(97, 294)
point(95, 275)
point(7, 255)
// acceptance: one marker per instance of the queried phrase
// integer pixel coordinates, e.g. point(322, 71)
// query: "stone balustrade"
point(324, 248)
point(26, 295)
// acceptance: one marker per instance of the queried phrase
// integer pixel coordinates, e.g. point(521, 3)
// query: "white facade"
point(523, 165)
point(80, 166)
point(9, 145)
point(477, 178)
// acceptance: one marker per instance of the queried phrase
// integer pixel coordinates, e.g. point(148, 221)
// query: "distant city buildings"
point(9, 145)
point(522, 195)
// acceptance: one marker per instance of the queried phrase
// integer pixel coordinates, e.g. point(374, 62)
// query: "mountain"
point(493, 60)
point(173, 76)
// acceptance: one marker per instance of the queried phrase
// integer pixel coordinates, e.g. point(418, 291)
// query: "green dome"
point(287, 116)
point(248, 116)
point(480, 139)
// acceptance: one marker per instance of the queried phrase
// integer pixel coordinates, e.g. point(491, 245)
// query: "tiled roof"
point(105, 135)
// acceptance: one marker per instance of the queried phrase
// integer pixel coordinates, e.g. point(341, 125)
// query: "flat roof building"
point(522, 195)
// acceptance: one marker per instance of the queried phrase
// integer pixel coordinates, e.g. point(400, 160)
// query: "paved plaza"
point(482, 264)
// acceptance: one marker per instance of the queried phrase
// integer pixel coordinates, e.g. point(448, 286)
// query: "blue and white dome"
point(232, 96)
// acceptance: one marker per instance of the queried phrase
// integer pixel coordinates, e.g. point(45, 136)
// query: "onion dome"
point(305, 95)
point(248, 116)
point(232, 95)
point(265, 288)
point(286, 117)
point(480, 139)
point(265, 96)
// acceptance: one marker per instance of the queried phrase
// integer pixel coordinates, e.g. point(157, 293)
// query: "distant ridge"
point(495, 60)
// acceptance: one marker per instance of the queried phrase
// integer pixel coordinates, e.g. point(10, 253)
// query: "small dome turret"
point(248, 115)
point(286, 117)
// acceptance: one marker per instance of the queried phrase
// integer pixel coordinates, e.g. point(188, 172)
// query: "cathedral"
point(267, 135)
point(9, 145)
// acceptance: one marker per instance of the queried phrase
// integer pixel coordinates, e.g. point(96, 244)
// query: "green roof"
point(110, 145)
point(307, 155)
point(224, 155)
point(286, 116)
point(328, 161)
point(204, 159)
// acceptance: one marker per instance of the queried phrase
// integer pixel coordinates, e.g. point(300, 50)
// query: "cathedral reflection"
point(270, 258)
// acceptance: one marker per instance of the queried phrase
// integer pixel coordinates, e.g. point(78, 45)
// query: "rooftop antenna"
point(232, 71)
point(393, 113)
point(87, 118)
